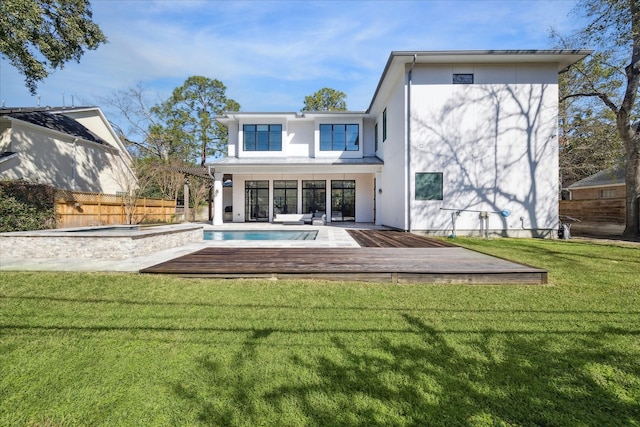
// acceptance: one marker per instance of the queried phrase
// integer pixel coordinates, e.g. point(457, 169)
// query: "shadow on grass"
point(419, 377)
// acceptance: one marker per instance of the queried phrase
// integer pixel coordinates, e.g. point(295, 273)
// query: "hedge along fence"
point(77, 209)
point(26, 206)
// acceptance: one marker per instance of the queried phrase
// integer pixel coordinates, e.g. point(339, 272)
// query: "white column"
point(218, 206)
point(379, 196)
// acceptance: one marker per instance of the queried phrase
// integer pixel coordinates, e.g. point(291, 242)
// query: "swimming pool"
point(260, 235)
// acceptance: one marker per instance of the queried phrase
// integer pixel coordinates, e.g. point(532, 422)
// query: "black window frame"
point(384, 125)
point(289, 190)
point(434, 190)
point(463, 78)
point(339, 140)
point(273, 144)
point(375, 138)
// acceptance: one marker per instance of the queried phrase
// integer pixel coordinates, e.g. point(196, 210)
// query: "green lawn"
point(117, 349)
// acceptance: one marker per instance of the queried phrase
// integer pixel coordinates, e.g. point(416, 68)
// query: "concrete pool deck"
point(329, 236)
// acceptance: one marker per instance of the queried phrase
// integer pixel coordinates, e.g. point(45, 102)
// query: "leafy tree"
point(38, 36)
point(325, 99)
point(188, 116)
point(589, 141)
point(612, 75)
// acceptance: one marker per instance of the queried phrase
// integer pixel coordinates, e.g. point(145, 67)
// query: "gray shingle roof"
point(57, 122)
point(611, 176)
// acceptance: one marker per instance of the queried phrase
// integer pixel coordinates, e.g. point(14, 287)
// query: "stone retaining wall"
point(88, 245)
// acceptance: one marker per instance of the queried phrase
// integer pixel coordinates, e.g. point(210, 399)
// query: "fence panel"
point(595, 210)
point(78, 209)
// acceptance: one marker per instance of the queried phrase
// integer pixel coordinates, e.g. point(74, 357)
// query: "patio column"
point(217, 199)
point(378, 196)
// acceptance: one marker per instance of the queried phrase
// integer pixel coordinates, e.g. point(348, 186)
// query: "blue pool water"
point(260, 235)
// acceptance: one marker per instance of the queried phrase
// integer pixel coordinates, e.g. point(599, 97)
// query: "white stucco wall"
point(392, 206)
point(495, 142)
point(299, 139)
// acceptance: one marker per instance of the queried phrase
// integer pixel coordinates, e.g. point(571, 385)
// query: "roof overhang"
point(232, 116)
point(398, 60)
point(300, 165)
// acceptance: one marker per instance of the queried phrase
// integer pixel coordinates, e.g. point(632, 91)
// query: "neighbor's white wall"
point(5, 136)
point(495, 141)
point(48, 158)
point(91, 120)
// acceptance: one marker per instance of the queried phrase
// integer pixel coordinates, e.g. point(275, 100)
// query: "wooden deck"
point(395, 239)
point(393, 264)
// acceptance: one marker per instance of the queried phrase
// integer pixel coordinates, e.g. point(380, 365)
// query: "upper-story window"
point(462, 79)
point(262, 137)
point(339, 137)
point(376, 137)
point(384, 125)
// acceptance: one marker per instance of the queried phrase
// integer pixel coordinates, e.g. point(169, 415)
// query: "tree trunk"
point(632, 180)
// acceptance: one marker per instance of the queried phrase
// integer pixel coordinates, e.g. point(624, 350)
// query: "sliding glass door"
point(314, 196)
point(256, 201)
point(343, 200)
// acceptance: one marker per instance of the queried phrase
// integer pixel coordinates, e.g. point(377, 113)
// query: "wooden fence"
point(78, 209)
point(595, 210)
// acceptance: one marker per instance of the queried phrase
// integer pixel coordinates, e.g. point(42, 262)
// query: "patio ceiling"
point(297, 165)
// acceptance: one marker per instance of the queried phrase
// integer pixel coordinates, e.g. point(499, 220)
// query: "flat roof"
point(564, 58)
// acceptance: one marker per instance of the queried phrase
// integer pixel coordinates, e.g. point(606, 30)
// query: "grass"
point(117, 349)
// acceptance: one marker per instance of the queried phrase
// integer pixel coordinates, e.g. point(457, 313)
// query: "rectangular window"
point(608, 193)
point(256, 200)
point(375, 138)
point(429, 186)
point(285, 196)
point(339, 137)
point(462, 79)
point(384, 125)
point(262, 137)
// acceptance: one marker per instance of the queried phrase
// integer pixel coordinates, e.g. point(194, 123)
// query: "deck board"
point(395, 239)
point(374, 264)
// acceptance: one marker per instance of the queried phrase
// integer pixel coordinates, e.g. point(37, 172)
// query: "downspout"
point(408, 147)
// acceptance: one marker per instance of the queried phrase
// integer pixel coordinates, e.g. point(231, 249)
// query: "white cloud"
point(271, 54)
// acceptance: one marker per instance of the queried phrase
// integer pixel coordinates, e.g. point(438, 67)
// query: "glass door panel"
point(256, 201)
point(314, 196)
point(343, 201)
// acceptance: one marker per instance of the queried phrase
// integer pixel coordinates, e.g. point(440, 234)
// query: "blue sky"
point(271, 54)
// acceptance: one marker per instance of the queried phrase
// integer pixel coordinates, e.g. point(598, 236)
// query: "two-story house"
point(452, 141)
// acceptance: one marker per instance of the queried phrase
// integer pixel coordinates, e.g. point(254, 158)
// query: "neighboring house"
point(68, 148)
point(606, 184)
point(447, 137)
point(598, 202)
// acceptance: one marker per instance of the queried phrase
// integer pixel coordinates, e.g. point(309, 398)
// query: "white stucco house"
point(72, 148)
point(451, 141)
